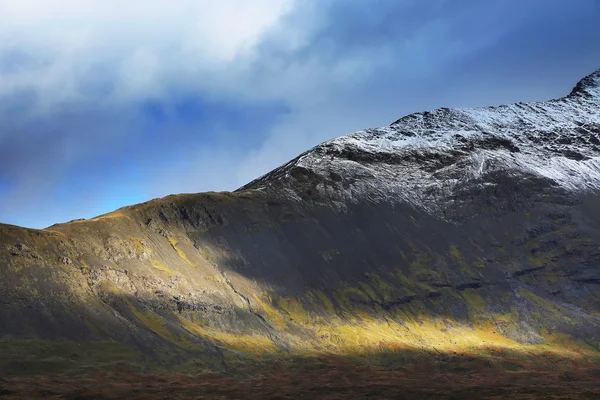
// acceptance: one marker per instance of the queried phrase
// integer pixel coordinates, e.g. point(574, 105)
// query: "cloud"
point(141, 47)
point(73, 75)
point(104, 103)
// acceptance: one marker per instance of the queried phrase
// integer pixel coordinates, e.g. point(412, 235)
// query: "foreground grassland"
point(313, 378)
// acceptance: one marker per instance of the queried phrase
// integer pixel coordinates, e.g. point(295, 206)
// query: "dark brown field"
point(325, 378)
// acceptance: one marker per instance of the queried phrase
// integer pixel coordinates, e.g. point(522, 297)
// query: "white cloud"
point(144, 45)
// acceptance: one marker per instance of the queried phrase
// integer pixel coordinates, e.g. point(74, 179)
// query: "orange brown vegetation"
point(314, 378)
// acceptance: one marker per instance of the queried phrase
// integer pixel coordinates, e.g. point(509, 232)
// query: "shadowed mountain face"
point(460, 239)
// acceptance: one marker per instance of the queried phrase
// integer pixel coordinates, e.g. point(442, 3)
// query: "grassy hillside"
point(223, 281)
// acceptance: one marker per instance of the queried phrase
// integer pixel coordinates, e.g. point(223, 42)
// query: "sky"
point(107, 103)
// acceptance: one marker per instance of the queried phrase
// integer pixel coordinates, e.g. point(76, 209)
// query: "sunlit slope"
point(213, 280)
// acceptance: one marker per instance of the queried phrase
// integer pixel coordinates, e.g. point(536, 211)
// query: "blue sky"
point(105, 103)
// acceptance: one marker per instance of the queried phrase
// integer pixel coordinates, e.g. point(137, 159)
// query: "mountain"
point(455, 241)
point(425, 159)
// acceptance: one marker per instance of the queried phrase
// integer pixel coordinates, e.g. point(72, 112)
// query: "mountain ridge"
point(450, 240)
point(567, 130)
point(587, 88)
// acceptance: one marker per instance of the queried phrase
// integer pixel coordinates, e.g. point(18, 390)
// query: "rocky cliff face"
point(450, 235)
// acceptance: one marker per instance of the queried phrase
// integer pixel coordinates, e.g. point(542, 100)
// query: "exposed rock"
point(65, 260)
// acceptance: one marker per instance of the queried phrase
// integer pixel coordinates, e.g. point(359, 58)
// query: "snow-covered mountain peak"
point(424, 157)
point(588, 87)
point(443, 128)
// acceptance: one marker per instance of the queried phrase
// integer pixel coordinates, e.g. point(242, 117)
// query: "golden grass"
point(180, 252)
point(294, 309)
point(138, 244)
point(371, 336)
point(475, 303)
point(251, 344)
point(455, 253)
point(158, 325)
point(319, 300)
point(114, 214)
point(159, 266)
point(273, 315)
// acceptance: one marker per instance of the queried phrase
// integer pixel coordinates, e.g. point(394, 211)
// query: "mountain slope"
point(463, 238)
